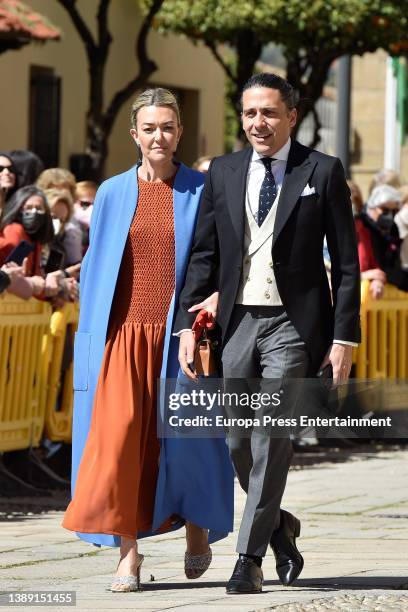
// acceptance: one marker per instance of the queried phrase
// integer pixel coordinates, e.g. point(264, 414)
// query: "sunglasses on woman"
point(11, 169)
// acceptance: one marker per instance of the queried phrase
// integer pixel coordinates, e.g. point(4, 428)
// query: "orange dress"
point(116, 485)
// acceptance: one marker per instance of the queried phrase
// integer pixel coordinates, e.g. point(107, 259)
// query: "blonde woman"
point(68, 236)
point(126, 483)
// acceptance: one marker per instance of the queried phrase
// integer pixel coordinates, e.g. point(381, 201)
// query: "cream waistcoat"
point(258, 285)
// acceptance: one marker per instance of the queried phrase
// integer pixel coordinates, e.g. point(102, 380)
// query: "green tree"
point(312, 34)
point(101, 117)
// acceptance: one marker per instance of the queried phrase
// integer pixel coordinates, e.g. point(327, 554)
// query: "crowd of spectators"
point(47, 213)
point(382, 231)
point(44, 228)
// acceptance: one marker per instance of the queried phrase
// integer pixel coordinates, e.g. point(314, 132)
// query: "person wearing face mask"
point(68, 237)
point(379, 240)
point(26, 217)
point(83, 207)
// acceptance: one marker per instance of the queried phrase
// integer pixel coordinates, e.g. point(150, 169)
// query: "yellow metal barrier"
point(383, 352)
point(36, 361)
point(23, 325)
point(59, 368)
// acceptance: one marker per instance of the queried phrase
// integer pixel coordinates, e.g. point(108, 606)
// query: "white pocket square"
point(308, 190)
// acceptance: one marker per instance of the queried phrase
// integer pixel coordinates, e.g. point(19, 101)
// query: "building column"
point(392, 149)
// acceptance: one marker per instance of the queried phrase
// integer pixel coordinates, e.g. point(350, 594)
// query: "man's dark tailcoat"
point(297, 248)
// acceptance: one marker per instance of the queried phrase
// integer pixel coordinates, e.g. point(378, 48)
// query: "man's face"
point(266, 120)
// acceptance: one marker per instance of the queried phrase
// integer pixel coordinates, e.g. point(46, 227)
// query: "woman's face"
point(157, 133)
point(34, 202)
point(7, 173)
point(60, 211)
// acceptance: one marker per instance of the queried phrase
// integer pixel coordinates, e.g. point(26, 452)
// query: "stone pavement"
point(354, 513)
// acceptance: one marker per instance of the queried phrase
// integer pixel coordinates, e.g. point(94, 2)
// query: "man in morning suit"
point(263, 217)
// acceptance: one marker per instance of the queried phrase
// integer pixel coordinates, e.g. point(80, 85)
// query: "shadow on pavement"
point(333, 583)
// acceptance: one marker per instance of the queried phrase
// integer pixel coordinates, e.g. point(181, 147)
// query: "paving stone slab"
point(355, 555)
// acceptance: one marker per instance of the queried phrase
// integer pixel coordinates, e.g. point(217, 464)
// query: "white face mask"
point(83, 216)
point(57, 225)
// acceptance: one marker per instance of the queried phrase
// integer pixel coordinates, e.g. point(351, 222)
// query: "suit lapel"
point(235, 177)
point(298, 170)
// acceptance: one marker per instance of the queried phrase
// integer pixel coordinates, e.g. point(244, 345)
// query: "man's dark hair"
point(273, 81)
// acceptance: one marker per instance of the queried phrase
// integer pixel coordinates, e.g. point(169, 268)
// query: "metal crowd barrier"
point(23, 325)
point(59, 366)
point(36, 350)
point(383, 352)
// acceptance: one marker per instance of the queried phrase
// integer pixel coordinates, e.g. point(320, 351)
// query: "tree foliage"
point(101, 116)
point(313, 34)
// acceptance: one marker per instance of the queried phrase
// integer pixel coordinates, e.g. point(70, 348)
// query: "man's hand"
point(186, 353)
point(340, 356)
point(210, 305)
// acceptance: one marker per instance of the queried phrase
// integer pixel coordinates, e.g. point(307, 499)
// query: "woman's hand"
point(53, 282)
point(19, 284)
point(374, 274)
point(13, 270)
point(210, 304)
point(70, 290)
point(74, 270)
point(187, 348)
point(376, 289)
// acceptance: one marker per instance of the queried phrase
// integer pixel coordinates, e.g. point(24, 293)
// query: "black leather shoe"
point(247, 577)
point(289, 561)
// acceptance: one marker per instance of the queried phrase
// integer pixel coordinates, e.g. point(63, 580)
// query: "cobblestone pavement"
point(348, 603)
point(354, 513)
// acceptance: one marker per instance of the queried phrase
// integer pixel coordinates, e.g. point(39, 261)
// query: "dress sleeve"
point(365, 248)
point(10, 237)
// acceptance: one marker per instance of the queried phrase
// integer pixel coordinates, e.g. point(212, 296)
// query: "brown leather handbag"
point(204, 359)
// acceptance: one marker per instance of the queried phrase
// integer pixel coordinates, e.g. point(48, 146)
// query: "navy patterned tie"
point(268, 192)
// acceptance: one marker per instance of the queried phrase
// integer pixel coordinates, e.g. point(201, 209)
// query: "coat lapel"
point(187, 191)
point(298, 170)
point(235, 177)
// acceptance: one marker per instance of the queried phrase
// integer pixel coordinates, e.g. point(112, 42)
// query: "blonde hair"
point(157, 96)
point(60, 195)
point(84, 188)
point(385, 177)
point(53, 177)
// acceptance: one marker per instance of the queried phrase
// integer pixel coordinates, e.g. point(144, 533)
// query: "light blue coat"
point(195, 475)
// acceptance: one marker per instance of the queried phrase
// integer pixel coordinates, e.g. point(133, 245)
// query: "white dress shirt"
point(255, 177)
